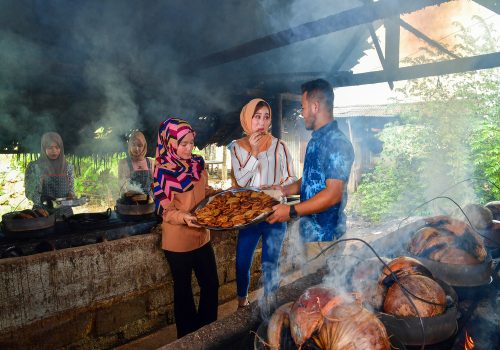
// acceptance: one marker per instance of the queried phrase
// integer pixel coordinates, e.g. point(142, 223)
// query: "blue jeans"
point(272, 240)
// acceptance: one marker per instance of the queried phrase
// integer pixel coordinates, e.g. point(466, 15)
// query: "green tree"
point(451, 135)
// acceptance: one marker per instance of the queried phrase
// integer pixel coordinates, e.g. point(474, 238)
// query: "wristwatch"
point(293, 213)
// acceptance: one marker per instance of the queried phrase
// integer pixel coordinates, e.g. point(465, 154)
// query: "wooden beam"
point(392, 41)
point(425, 38)
point(277, 121)
point(346, 19)
point(458, 65)
point(379, 52)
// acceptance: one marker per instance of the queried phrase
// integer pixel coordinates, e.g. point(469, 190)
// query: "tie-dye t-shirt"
point(329, 155)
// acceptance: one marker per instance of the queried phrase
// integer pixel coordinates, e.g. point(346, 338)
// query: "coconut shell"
point(349, 327)
point(396, 302)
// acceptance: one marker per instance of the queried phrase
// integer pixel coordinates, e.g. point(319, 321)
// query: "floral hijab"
point(173, 174)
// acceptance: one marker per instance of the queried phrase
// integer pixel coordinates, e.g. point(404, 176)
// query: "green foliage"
point(451, 135)
point(393, 188)
point(97, 179)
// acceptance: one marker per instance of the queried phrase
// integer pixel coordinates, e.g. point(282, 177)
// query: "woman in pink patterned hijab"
point(180, 184)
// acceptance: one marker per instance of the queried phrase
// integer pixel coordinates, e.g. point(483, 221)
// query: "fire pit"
point(82, 230)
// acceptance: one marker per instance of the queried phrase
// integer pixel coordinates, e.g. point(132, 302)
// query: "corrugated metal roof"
point(379, 111)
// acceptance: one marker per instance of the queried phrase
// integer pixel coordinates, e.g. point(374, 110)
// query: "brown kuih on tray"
point(234, 209)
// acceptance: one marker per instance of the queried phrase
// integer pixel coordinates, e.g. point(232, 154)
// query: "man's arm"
point(293, 188)
point(321, 201)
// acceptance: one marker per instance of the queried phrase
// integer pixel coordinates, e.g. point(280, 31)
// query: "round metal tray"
point(436, 329)
point(69, 202)
point(22, 225)
point(255, 221)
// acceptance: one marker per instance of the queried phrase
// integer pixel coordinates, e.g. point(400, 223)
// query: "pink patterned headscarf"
point(173, 174)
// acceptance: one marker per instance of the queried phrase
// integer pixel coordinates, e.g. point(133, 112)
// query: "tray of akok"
point(236, 208)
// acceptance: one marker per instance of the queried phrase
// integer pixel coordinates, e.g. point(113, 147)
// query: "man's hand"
point(281, 214)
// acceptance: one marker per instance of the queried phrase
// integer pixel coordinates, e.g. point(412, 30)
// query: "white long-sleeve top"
point(272, 167)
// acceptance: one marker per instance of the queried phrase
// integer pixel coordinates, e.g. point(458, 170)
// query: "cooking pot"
point(134, 209)
point(460, 275)
point(436, 329)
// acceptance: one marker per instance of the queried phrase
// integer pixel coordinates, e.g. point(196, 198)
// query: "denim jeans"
point(272, 240)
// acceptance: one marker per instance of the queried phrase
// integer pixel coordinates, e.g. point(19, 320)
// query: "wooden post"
point(224, 166)
point(353, 178)
point(277, 121)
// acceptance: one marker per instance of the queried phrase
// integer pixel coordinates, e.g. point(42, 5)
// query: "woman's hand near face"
point(254, 140)
point(190, 220)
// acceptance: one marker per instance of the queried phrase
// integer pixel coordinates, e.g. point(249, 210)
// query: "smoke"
point(121, 65)
point(134, 186)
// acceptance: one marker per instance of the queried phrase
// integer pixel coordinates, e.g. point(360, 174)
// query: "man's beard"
point(310, 126)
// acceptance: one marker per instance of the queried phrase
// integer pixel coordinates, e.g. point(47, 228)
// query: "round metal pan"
point(260, 340)
point(436, 329)
point(22, 225)
point(255, 221)
point(459, 275)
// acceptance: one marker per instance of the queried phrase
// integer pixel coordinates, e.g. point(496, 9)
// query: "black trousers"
point(202, 262)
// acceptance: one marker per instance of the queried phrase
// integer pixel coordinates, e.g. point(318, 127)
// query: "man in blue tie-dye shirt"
point(327, 165)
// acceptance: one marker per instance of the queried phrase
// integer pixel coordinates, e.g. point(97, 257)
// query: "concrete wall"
point(100, 295)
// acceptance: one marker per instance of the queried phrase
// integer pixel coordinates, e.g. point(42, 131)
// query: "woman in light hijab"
point(50, 176)
point(136, 171)
point(259, 160)
point(180, 184)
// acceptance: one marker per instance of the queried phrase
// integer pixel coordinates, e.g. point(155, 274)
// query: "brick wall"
point(100, 295)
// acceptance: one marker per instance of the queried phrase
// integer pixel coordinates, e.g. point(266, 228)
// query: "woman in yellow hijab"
point(136, 171)
point(259, 160)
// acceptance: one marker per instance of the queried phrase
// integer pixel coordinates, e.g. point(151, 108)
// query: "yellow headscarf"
point(246, 115)
point(137, 135)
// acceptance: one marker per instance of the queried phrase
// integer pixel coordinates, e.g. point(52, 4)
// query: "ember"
point(469, 343)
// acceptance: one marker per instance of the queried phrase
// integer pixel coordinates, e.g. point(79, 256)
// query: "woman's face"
point(136, 147)
point(185, 147)
point(261, 120)
point(53, 151)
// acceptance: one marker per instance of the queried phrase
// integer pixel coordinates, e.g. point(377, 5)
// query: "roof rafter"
point(359, 15)
point(458, 65)
point(425, 38)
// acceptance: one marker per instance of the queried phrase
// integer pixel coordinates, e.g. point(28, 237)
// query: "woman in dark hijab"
point(50, 176)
